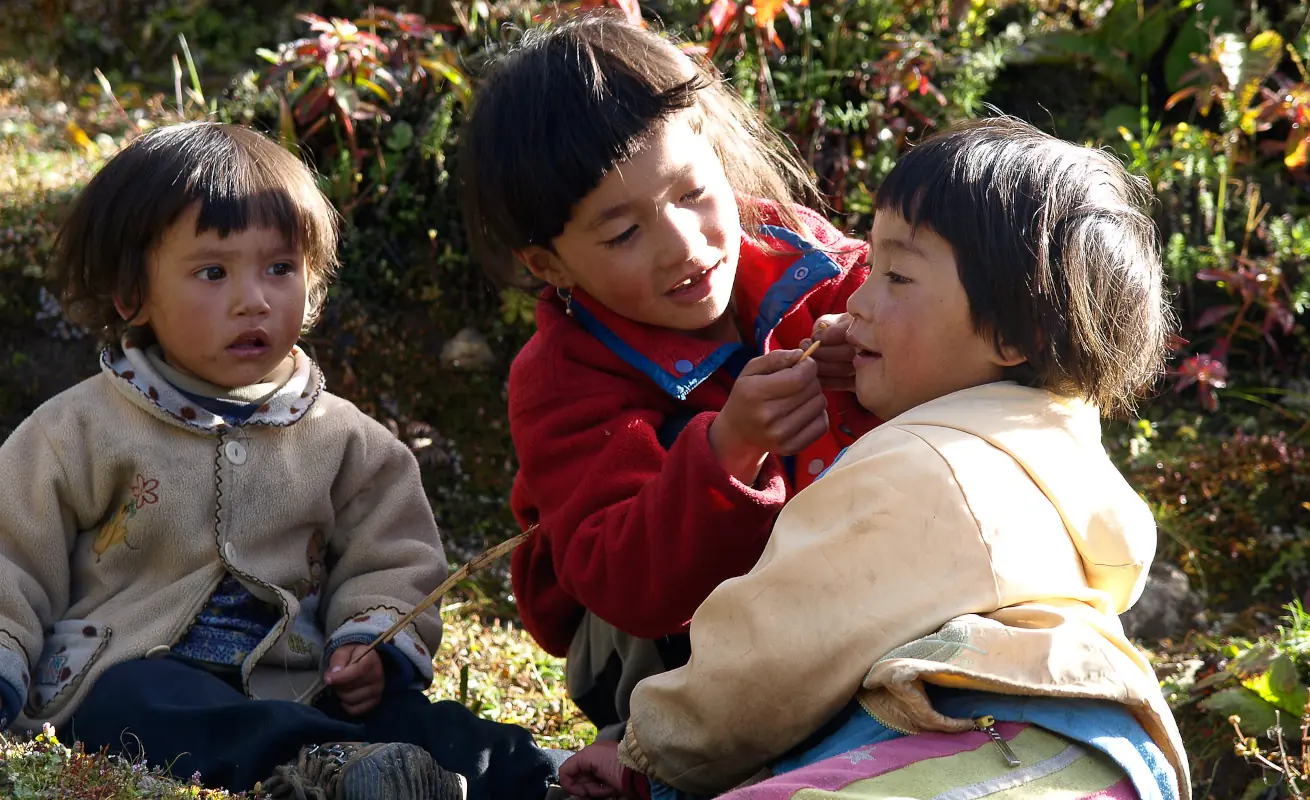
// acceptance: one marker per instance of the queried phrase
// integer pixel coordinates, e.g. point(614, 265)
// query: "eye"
point(211, 273)
point(622, 238)
point(694, 195)
point(282, 269)
point(895, 277)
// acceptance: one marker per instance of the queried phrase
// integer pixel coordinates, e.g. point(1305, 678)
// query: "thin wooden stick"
point(809, 351)
point(476, 563)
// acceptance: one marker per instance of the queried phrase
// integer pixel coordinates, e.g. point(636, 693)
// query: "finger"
point(347, 675)
point(801, 416)
point(810, 434)
point(340, 658)
point(835, 332)
point(790, 382)
point(359, 694)
point(838, 384)
point(769, 363)
point(361, 708)
point(839, 369)
point(835, 353)
point(359, 674)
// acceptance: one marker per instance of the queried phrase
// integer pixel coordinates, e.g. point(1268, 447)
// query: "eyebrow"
point(904, 245)
point(220, 253)
point(616, 211)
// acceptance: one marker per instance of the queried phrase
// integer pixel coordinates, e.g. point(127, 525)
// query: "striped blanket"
point(961, 766)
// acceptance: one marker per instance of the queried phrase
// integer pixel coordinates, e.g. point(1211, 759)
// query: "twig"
point(476, 563)
point(814, 346)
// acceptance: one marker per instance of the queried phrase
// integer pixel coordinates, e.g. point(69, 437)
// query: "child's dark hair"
point(571, 102)
point(239, 178)
point(1055, 250)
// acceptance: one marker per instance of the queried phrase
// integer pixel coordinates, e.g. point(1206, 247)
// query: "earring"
point(566, 294)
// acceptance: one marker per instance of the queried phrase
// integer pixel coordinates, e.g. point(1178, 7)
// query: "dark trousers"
point(192, 721)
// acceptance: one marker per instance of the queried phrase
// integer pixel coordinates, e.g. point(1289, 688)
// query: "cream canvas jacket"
point(122, 505)
point(982, 540)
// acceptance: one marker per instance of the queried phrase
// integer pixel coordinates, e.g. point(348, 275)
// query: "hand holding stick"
point(476, 563)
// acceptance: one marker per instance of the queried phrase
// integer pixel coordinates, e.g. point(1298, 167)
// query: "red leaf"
point(720, 14)
point(632, 10)
point(1279, 315)
point(1213, 314)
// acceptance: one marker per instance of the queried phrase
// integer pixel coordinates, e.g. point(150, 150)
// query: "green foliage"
point(1258, 685)
point(1232, 509)
point(40, 767)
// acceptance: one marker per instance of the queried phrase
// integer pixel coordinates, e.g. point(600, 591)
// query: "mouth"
point(255, 342)
point(691, 283)
point(862, 351)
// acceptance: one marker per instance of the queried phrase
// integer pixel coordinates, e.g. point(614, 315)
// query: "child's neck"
point(189, 383)
point(723, 329)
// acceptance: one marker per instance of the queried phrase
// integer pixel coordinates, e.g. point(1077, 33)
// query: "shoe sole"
point(401, 772)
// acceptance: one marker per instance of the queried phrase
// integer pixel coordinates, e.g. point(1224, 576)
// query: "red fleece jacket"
point(636, 533)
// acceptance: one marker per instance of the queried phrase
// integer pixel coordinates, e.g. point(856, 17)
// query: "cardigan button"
point(158, 652)
point(235, 452)
point(229, 551)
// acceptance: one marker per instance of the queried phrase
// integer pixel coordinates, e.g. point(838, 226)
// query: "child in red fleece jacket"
point(663, 413)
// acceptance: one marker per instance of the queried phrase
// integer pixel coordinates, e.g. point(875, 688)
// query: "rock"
point(1167, 608)
point(469, 350)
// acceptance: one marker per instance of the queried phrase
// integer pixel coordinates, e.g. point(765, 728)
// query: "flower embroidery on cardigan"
point(145, 492)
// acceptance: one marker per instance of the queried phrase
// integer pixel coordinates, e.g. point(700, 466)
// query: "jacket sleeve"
point(384, 552)
point(637, 534)
point(880, 551)
point(38, 525)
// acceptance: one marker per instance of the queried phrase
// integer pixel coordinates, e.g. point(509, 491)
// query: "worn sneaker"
point(358, 771)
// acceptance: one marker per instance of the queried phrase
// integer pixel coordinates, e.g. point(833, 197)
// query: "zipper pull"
point(987, 724)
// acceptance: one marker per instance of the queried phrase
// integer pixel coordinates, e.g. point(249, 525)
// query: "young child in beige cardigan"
point(191, 537)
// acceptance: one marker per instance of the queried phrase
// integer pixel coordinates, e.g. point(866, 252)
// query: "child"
point(201, 528)
point(969, 557)
point(660, 415)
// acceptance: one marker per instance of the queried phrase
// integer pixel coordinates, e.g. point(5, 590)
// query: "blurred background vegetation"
point(1210, 99)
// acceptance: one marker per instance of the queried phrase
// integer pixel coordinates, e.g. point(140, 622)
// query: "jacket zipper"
point(987, 724)
point(883, 722)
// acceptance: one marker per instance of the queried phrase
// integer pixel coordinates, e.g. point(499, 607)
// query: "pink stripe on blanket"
point(1123, 790)
point(873, 760)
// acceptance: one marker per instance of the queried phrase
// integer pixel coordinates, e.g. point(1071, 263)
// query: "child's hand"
point(594, 771)
point(836, 358)
point(776, 406)
point(359, 685)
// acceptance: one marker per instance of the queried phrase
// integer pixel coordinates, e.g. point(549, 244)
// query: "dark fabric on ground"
point(193, 720)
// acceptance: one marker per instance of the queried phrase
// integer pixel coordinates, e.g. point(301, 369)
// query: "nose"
point(250, 298)
point(683, 236)
point(861, 303)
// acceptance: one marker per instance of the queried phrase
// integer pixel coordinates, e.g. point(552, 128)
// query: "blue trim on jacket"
point(679, 386)
point(812, 268)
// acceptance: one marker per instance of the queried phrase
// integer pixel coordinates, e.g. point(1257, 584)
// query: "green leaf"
point(1280, 686)
point(1193, 36)
point(1257, 715)
point(402, 136)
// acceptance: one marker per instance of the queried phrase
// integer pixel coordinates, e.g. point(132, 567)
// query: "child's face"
point(911, 327)
point(657, 240)
point(225, 310)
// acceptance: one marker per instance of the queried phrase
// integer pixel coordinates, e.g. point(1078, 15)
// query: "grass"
point(494, 668)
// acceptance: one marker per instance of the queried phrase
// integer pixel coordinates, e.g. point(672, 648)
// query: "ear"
point(1007, 356)
point(137, 316)
point(546, 265)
